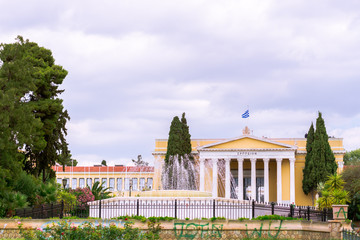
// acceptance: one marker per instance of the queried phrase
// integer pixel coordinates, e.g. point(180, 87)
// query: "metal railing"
point(350, 235)
point(181, 208)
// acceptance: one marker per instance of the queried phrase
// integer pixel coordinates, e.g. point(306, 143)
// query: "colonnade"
point(253, 177)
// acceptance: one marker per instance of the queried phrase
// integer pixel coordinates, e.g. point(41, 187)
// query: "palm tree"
point(100, 192)
point(335, 182)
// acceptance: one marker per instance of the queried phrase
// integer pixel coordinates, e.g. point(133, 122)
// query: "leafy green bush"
point(88, 231)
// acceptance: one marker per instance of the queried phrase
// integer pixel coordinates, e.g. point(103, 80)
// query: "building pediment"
point(247, 142)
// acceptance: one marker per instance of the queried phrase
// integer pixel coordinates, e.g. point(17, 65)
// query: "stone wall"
point(201, 229)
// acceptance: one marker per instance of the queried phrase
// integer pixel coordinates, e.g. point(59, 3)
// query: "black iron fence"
point(57, 210)
point(177, 208)
point(350, 235)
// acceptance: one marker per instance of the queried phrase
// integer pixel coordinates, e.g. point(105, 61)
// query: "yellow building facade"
point(269, 169)
point(121, 180)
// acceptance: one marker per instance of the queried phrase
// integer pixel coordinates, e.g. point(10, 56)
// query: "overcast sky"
point(134, 65)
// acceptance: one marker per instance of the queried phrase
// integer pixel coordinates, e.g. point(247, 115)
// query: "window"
point(127, 184)
point(74, 183)
point(81, 182)
point(59, 181)
point(135, 184)
point(104, 182)
point(97, 180)
point(67, 182)
point(89, 182)
point(119, 184)
point(112, 184)
point(141, 184)
point(150, 183)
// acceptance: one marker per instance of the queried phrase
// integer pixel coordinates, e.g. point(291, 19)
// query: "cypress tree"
point(309, 166)
point(329, 163)
point(174, 147)
point(320, 160)
point(186, 137)
point(179, 171)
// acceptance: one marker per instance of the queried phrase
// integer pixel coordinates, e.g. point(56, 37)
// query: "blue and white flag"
point(246, 114)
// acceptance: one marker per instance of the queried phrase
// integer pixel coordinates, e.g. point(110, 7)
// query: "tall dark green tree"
point(186, 137)
point(179, 171)
point(21, 127)
point(320, 161)
point(174, 146)
point(308, 185)
point(30, 78)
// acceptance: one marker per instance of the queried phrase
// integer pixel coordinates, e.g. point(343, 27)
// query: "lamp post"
point(64, 182)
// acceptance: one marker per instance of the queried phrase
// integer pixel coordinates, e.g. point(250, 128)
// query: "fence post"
point(272, 208)
point(253, 209)
point(214, 208)
point(62, 209)
point(100, 208)
point(52, 210)
point(175, 208)
point(308, 213)
point(291, 210)
point(324, 217)
point(42, 211)
point(137, 207)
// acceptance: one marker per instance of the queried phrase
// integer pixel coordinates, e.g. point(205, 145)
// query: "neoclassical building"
point(250, 167)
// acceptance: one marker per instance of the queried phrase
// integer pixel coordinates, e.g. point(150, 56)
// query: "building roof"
point(97, 169)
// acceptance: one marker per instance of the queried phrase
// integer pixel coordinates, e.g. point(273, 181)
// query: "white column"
point(253, 178)
point(227, 177)
point(202, 174)
point(292, 180)
point(215, 178)
point(266, 179)
point(240, 179)
point(279, 183)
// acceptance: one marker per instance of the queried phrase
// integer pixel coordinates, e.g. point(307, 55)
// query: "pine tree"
point(309, 166)
point(29, 79)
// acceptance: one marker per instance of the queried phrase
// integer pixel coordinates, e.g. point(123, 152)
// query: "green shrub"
point(88, 231)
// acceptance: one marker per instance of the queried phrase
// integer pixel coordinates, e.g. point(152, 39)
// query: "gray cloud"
point(133, 65)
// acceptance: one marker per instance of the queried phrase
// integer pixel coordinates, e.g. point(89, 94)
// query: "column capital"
point(292, 160)
point(253, 159)
point(202, 159)
point(266, 160)
point(279, 160)
point(227, 160)
point(240, 159)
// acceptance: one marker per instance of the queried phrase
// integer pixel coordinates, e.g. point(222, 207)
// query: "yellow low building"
point(119, 179)
point(270, 169)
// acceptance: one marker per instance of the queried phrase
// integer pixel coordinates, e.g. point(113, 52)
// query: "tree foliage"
point(309, 166)
point(352, 157)
point(179, 168)
point(320, 160)
point(333, 192)
point(32, 120)
point(179, 142)
point(352, 185)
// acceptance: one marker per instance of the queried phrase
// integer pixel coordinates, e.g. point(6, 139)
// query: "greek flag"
point(246, 114)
